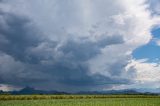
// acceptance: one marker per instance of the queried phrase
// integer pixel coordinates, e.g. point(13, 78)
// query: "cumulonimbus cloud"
point(71, 45)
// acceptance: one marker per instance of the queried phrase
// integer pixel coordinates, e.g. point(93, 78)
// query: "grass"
point(37, 97)
point(87, 100)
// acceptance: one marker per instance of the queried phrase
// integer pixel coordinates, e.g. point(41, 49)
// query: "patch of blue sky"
point(150, 51)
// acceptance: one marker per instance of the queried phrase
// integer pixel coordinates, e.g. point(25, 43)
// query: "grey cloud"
point(28, 57)
point(86, 49)
point(117, 68)
point(154, 6)
point(17, 37)
point(32, 64)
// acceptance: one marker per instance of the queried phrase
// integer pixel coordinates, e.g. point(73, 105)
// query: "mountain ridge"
point(30, 90)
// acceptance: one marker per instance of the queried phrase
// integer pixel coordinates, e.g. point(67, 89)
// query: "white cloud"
point(147, 74)
point(51, 17)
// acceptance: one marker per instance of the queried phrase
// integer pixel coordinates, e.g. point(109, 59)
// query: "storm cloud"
point(82, 46)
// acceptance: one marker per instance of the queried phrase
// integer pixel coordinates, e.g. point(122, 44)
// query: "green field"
point(82, 100)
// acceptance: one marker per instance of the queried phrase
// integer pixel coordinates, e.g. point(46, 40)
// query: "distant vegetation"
point(79, 100)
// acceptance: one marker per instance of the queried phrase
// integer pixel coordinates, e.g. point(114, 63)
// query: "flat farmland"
point(79, 100)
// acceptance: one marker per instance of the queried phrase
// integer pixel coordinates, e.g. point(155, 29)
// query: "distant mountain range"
point(156, 90)
point(124, 91)
point(29, 90)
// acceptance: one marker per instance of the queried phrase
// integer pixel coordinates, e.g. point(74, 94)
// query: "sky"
point(79, 45)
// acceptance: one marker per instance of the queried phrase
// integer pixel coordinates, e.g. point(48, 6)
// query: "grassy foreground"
point(94, 100)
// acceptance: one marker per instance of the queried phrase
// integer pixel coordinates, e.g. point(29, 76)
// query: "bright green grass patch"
point(85, 102)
